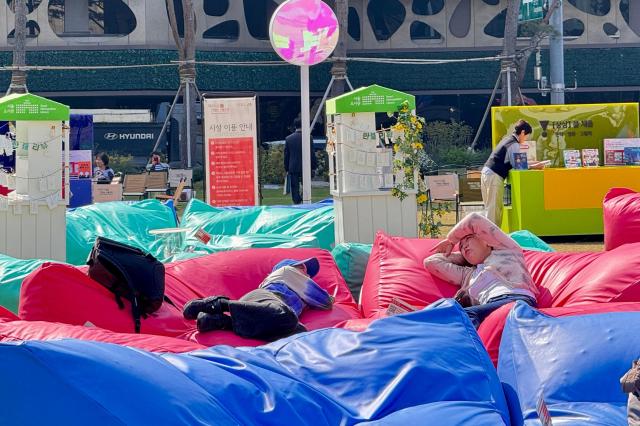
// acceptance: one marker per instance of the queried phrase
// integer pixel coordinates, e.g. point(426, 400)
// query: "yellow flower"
point(395, 148)
point(421, 199)
point(418, 146)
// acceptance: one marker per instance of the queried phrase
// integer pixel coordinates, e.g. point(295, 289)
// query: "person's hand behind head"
point(445, 247)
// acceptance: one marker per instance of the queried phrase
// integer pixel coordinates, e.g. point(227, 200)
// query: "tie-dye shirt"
point(296, 289)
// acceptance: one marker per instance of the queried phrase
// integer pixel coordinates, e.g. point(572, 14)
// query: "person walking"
point(293, 160)
point(497, 167)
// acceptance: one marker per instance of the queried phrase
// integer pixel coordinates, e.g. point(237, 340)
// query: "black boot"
point(210, 322)
point(210, 305)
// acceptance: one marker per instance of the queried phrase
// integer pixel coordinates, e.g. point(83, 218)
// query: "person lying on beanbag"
point(271, 311)
point(489, 268)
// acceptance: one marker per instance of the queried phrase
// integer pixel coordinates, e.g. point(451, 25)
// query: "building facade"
point(602, 41)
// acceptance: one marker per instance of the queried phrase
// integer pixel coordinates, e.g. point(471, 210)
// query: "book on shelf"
point(632, 155)
point(590, 157)
point(520, 161)
point(614, 150)
point(572, 158)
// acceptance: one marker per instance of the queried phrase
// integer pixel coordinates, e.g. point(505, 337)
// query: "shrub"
point(122, 163)
point(271, 165)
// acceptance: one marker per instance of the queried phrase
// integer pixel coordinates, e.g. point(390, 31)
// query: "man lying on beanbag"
point(268, 312)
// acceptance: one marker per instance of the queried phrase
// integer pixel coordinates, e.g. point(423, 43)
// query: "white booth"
point(361, 167)
point(32, 215)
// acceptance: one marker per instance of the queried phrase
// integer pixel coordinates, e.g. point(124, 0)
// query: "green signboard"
point(560, 127)
point(531, 10)
point(29, 107)
point(373, 98)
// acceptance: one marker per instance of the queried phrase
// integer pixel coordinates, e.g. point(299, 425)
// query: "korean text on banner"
point(230, 150)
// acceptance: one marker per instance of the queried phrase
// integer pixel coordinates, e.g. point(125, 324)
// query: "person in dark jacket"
point(497, 167)
point(269, 312)
point(293, 160)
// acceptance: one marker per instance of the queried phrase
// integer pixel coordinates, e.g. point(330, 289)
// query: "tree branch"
point(173, 23)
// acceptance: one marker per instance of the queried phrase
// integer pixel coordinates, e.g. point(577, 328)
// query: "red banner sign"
point(231, 152)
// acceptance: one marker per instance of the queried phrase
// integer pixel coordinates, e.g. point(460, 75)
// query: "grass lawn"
point(272, 197)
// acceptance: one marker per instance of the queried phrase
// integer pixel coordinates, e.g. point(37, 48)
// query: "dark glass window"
point(31, 6)
point(632, 19)
point(427, 7)
point(33, 30)
point(103, 17)
point(110, 17)
point(593, 7)
point(216, 7)
point(422, 31)
point(495, 27)
point(228, 30)
point(610, 29)
point(385, 17)
point(258, 15)
point(353, 26)
point(573, 27)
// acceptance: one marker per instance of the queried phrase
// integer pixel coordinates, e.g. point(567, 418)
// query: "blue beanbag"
point(405, 369)
point(574, 361)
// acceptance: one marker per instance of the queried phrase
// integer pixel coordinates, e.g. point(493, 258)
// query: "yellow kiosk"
point(560, 200)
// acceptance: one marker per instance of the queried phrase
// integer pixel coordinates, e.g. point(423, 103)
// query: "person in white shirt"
point(489, 268)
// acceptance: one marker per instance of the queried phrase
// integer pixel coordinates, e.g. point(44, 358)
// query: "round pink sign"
point(303, 32)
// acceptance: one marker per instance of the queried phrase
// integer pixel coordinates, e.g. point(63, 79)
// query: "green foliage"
point(431, 219)
point(122, 163)
point(271, 167)
point(463, 157)
point(322, 172)
point(448, 144)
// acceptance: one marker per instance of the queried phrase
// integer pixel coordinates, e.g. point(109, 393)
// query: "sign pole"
point(306, 134)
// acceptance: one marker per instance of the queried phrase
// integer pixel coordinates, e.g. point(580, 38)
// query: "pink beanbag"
point(63, 293)
point(490, 330)
point(17, 331)
point(621, 216)
point(396, 269)
point(553, 272)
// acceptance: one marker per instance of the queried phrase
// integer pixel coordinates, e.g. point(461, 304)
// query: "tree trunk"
point(509, 49)
point(19, 77)
point(339, 68)
point(188, 78)
point(187, 71)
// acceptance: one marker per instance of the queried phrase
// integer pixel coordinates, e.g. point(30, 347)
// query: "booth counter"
point(563, 201)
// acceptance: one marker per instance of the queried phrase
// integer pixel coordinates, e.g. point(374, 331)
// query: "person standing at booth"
point(293, 160)
point(497, 167)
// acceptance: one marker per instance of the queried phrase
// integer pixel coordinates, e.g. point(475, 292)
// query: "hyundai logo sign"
point(111, 136)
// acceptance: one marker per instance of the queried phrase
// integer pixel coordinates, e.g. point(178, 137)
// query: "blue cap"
point(312, 265)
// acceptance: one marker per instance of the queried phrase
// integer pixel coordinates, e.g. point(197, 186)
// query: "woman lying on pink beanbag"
point(489, 268)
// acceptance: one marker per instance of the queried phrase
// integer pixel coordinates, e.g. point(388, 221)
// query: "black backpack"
point(129, 273)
